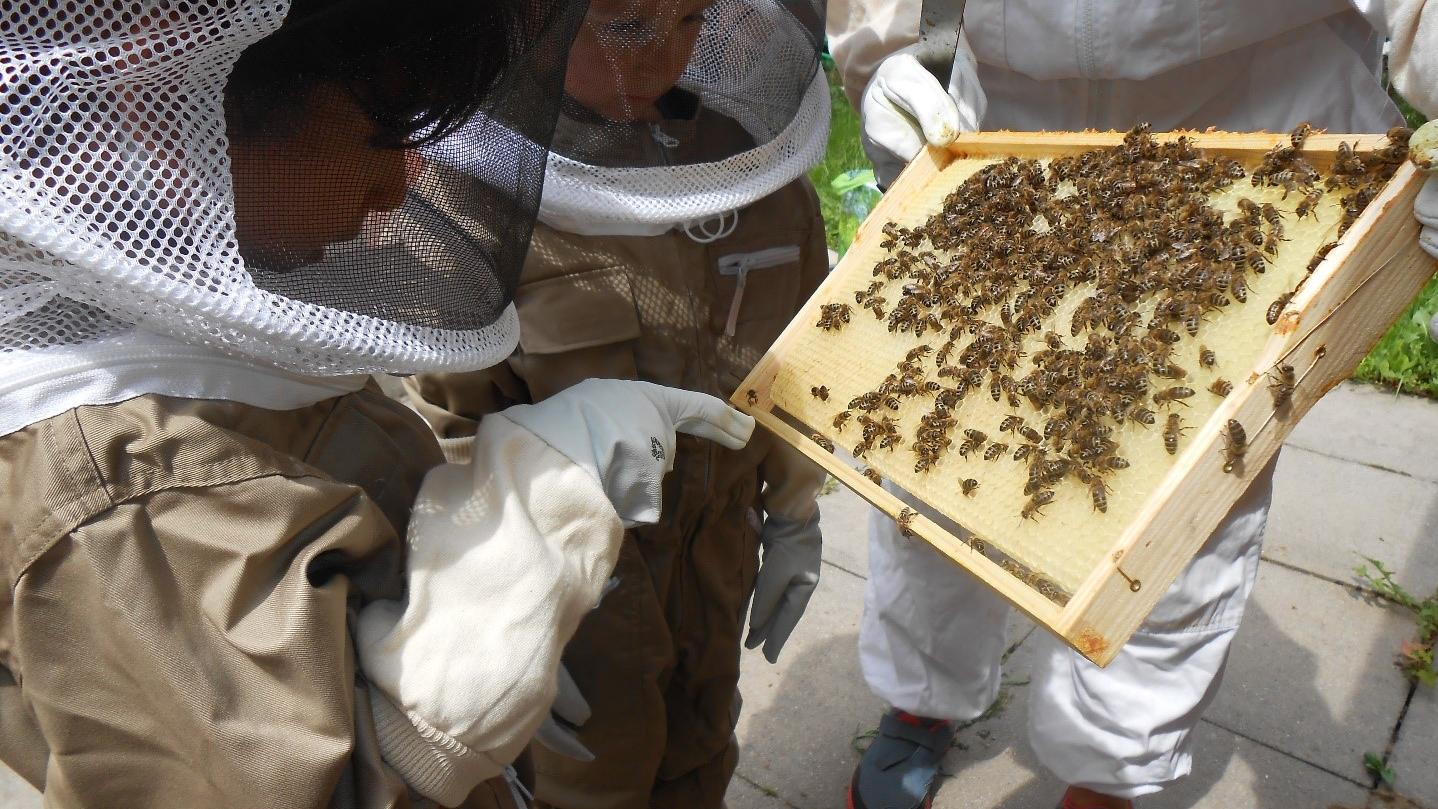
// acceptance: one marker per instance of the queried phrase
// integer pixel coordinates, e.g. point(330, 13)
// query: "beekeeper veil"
point(327, 186)
point(678, 113)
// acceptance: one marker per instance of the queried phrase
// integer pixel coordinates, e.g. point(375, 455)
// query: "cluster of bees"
point(1130, 225)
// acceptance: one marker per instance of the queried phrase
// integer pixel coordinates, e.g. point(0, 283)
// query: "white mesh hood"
point(754, 68)
point(118, 200)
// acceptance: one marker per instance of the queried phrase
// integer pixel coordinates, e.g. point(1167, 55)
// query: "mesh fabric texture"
point(306, 217)
point(622, 161)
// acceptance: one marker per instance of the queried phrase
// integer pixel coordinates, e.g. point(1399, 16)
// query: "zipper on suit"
point(741, 264)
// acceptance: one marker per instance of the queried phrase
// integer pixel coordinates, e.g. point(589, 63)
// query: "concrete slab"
point(801, 715)
point(844, 517)
point(15, 792)
point(1311, 673)
point(1230, 771)
point(1329, 513)
point(744, 795)
point(1416, 753)
point(1373, 426)
point(991, 764)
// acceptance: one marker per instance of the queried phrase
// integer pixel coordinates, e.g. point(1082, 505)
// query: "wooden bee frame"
point(1357, 291)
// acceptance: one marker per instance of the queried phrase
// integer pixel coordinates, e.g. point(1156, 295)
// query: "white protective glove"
point(904, 106)
point(505, 556)
point(623, 433)
point(787, 578)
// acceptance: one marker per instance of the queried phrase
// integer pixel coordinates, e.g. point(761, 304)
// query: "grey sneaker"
point(899, 769)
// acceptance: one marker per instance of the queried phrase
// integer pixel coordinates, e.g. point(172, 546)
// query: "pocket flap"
point(576, 311)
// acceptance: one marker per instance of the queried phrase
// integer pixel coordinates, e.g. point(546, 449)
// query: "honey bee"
point(1174, 394)
point(1171, 432)
point(1221, 388)
point(1235, 445)
point(973, 439)
point(968, 487)
point(995, 451)
point(752, 397)
point(1282, 384)
point(1276, 308)
point(1300, 134)
point(1011, 423)
point(1309, 203)
point(906, 520)
point(1030, 434)
point(1113, 463)
point(872, 475)
point(841, 419)
point(1206, 357)
point(1143, 416)
point(822, 441)
point(1033, 509)
point(1099, 493)
point(1319, 256)
point(833, 316)
point(820, 392)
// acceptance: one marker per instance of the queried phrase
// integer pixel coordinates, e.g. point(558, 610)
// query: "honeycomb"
point(1054, 527)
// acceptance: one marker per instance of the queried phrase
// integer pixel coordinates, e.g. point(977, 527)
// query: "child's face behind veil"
point(631, 52)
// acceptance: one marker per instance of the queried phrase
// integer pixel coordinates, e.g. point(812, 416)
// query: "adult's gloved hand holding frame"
point(1092, 578)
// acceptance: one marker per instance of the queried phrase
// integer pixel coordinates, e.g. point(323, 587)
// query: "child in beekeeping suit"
point(677, 238)
point(932, 638)
point(226, 584)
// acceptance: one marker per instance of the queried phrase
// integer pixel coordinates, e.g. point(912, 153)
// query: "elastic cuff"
point(432, 763)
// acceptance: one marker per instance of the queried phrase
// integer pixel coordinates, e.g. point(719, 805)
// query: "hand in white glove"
point(904, 106)
point(787, 577)
point(623, 432)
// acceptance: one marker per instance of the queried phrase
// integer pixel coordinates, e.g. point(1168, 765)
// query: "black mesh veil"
point(331, 186)
point(678, 110)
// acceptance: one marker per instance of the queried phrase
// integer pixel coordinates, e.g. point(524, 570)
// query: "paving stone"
point(1416, 753)
point(1311, 672)
point(1328, 514)
point(1230, 771)
point(15, 792)
point(744, 795)
point(1373, 426)
point(991, 764)
point(801, 716)
point(844, 517)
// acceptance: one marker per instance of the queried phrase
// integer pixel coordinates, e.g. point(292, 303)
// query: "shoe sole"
point(849, 800)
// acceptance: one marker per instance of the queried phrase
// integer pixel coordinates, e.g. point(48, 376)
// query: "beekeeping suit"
point(215, 221)
point(932, 637)
point(677, 237)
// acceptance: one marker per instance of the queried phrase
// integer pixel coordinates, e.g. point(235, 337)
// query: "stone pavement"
point(1310, 687)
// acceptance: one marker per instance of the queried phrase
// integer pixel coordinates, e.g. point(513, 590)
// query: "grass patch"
point(845, 153)
point(1405, 358)
point(1415, 656)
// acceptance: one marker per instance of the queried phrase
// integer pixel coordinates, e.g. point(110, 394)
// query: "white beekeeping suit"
point(932, 637)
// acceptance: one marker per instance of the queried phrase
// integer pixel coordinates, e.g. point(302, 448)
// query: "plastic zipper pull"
point(741, 264)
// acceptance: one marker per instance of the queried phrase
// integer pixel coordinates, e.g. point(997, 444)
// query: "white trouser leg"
point(1126, 730)
point(932, 637)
